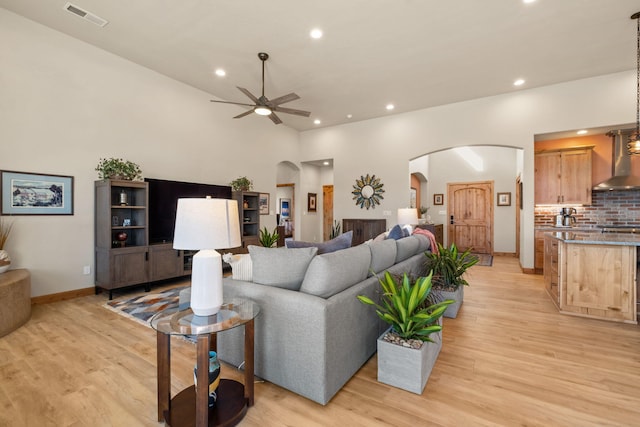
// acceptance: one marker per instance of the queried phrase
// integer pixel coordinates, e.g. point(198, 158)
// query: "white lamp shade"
point(207, 224)
point(407, 216)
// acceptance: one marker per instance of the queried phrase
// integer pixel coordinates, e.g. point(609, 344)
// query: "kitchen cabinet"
point(563, 177)
point(551, 272)
point(538, 259)
point(595, 273)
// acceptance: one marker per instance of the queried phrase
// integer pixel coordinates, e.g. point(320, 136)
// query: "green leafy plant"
point(423, 210)
point(403, 306)
point(116, 168)
point(448, 266)
point(268, 239)
point(335, 230)
point(241, 184)
point(5, 230)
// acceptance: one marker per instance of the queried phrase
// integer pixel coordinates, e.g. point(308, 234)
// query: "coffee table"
point(190, 406)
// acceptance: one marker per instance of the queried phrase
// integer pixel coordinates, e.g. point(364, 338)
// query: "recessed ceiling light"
point(325, 163)
point(220, 72)
point(582, 132)
point(317, 122)
point(316, 33)
point(518, 82)
point(349, 116)
point(528, 1)
point(390, 107)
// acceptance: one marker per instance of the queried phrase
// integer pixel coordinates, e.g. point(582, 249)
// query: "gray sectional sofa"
point(312, 334)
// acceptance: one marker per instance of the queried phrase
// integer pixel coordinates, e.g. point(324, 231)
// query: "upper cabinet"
point(563, 177)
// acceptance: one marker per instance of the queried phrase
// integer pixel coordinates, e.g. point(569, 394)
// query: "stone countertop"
point(595, 238)
point(590, 229)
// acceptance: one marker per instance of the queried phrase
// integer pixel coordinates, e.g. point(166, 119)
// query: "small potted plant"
point(406, 351)
point(241, 184)
point(448, 267)
point(5, 230)
point(268, 239)
point(116, 168)
point(335, 230)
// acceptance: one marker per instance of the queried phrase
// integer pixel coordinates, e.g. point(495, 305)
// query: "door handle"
point(451, 219)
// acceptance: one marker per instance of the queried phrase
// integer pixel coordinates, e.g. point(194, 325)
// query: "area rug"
point(484, 259)
point(142, 307)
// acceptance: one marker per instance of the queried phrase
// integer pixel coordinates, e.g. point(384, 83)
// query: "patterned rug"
point(485, 259)
point(142, 307)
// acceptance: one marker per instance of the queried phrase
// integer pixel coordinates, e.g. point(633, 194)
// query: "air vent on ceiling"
point(94, 19)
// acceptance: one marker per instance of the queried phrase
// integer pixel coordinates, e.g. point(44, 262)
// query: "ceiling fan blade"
point(286, 98)
point(292, 111)
point(249, 94)
point(234, 103)
point(246, 113)
point(275, 119)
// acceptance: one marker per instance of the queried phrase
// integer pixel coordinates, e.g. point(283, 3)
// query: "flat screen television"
point(163, 201)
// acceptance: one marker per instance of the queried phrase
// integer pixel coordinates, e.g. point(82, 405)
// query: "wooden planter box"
point(407, 368)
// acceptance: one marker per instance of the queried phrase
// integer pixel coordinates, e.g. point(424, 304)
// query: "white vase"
point(5, 261)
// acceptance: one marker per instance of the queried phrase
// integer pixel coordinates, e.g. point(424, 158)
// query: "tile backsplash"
point(607, 208)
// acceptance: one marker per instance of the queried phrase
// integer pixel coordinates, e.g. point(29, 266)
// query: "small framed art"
point(263, 203)
point(438, 199)
point(311, 202)
point(504, 199)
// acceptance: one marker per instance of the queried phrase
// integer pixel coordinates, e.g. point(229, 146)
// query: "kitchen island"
point(593, 274)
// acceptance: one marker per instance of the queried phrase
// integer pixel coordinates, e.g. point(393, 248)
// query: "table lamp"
point(206, 224)
point(407, 216)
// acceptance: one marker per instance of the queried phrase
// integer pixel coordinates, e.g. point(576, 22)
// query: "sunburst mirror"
point(368, 191)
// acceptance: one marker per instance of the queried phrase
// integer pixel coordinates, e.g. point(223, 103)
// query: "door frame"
point(489, 207)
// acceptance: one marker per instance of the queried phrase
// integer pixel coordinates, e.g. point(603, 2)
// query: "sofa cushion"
point(280, 267)
point(383, 255)
point(423, 241)
point(241, 266)
point(334, 272)
point(406, 247)
point(343, 241)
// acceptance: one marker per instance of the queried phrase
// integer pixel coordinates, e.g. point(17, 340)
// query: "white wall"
point(383, 146)
point(65, 104)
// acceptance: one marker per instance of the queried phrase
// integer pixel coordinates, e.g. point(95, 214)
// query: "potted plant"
point(241, 184)
point(406, 351)
point(268, 239)
point(423, 212)
point(116, 168)
point(5, 230)
point(335, 230)
point(448, 267)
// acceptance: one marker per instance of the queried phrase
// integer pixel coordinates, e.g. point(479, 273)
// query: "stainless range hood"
point(622, 178)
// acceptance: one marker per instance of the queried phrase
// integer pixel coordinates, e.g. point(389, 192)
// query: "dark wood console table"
point(190, 407)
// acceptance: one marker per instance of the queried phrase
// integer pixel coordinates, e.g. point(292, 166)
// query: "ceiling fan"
point(265, 107)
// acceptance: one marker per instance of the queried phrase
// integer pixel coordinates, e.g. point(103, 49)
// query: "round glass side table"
point(190, 406)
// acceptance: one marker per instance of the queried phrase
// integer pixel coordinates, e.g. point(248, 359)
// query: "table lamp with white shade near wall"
point(206, 225)
point(407, 217)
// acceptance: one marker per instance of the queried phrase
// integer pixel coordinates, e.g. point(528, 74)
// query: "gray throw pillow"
point(334, 272)
point(343, 241)
point(280, 267)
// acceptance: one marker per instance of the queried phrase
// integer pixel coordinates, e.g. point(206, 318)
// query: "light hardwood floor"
point(509, 359)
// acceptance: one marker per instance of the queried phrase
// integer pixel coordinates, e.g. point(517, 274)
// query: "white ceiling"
point(412, 53)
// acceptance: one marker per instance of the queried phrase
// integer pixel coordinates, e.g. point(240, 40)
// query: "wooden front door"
point(470, 210)
point(327, 211)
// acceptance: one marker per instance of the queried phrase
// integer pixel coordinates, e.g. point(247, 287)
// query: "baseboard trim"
point(61, 296)
point(509, 254)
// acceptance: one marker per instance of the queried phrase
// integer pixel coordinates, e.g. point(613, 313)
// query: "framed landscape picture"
point(26, 193)
point(263, 203)
point(285, 208)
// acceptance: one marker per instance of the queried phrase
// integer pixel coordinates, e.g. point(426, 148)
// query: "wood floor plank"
point(509, 359)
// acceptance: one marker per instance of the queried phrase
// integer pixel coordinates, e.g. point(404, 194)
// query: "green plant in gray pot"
point(408, 350)
point(448, 266)
point(241, 184)
point(268, 239)
point(116, 168)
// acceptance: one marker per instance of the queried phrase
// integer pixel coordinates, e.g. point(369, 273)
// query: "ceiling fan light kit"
point(262, 105)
